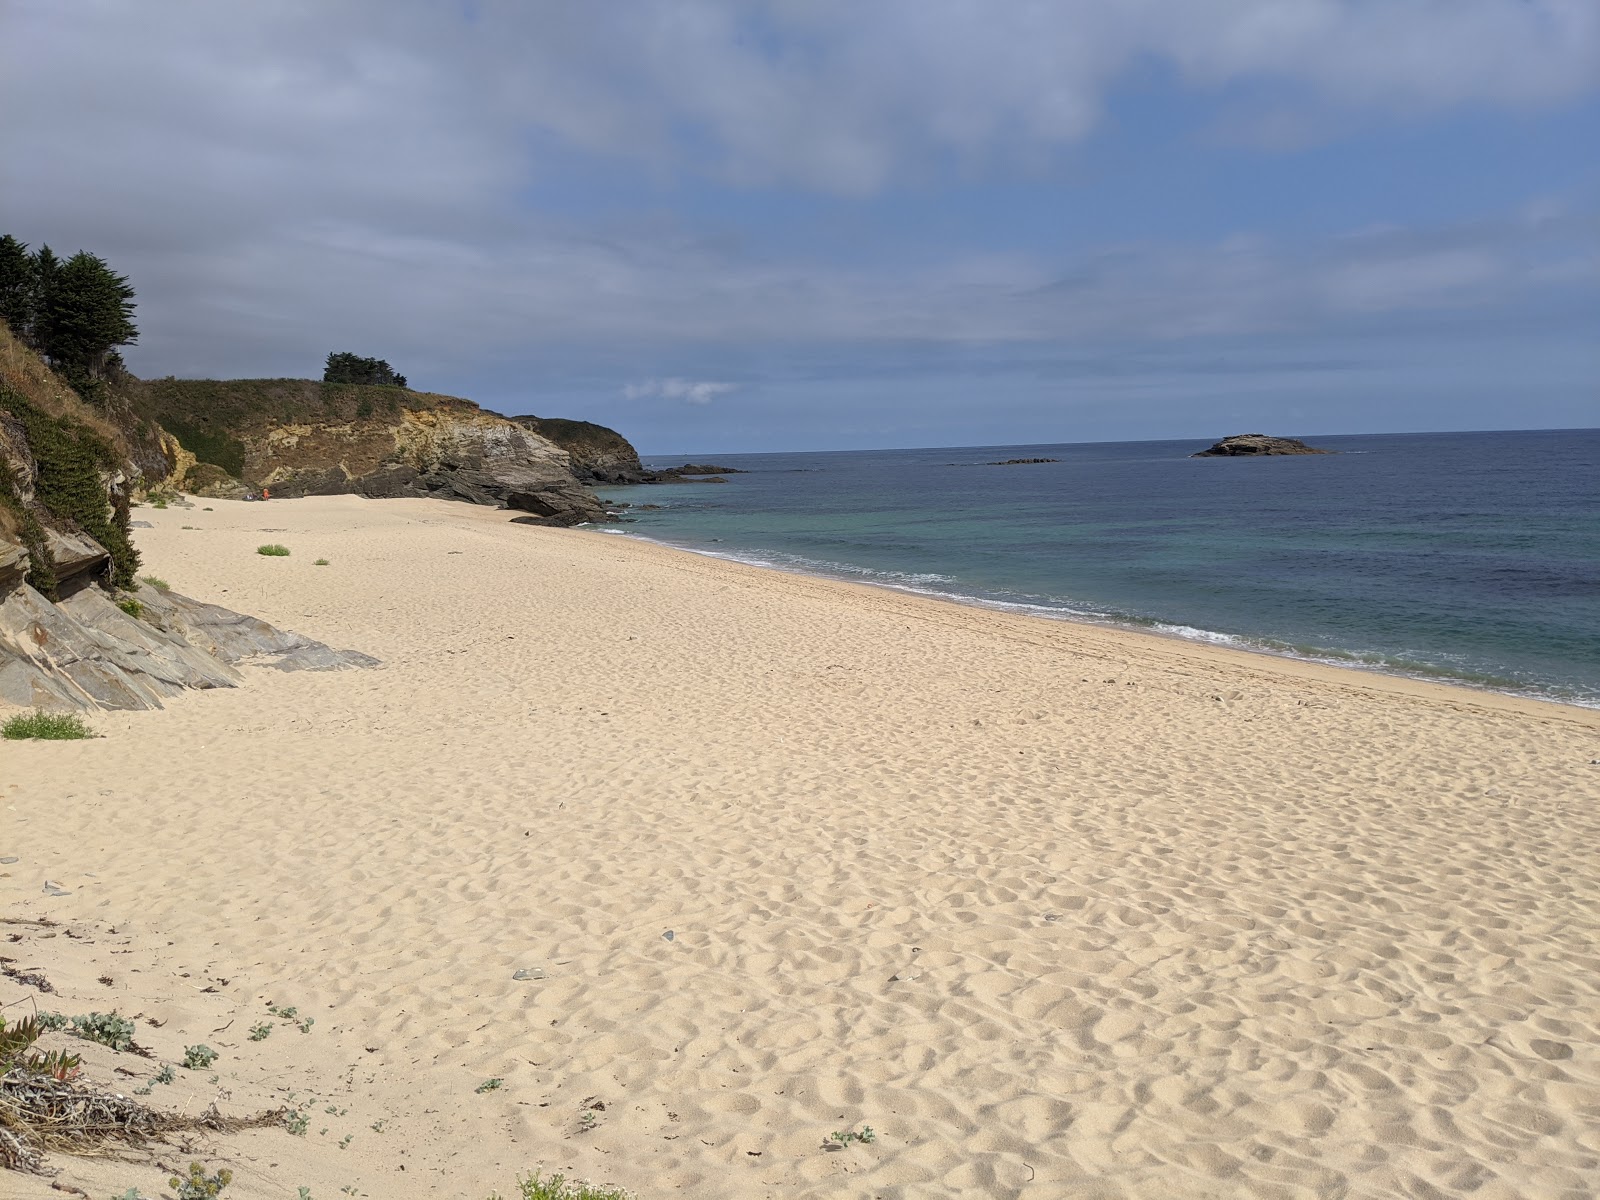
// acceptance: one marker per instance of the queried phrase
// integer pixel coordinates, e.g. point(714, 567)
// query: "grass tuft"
point(46, 726)
point(155, 581)
point(321, 562)
point(131, 606)
point(273, 550)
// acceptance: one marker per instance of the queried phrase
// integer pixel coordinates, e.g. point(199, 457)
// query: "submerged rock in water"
point(1252, 445)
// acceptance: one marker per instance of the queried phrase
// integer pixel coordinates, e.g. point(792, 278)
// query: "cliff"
point(300, 437)
point(77, 629)
point(1247, 445)
point(599, 455)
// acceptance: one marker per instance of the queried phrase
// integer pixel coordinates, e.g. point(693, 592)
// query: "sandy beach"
point(1056, 910)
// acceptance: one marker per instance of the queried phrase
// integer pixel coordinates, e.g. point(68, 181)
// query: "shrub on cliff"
point(344, 367)
point(71, 459)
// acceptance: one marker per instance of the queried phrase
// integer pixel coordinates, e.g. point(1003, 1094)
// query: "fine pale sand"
point(1056, 910)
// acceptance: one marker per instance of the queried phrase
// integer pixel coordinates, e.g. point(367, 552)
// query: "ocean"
point(1471, 558)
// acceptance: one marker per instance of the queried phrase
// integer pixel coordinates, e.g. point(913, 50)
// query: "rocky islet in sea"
point(1256, 445)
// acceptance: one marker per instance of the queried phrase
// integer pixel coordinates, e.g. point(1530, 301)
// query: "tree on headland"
point(74, 313)
point(344, 367)
point(16, 285)
point(88, 313)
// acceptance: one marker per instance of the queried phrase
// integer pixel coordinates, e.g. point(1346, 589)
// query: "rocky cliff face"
point(599, 455)
point(449, 454)
point(299, 437)
point(1246, 445)
point(77, 630)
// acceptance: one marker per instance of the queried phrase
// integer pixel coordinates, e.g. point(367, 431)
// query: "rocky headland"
point(603, 456)
point(299, 437)
point(1255, 445)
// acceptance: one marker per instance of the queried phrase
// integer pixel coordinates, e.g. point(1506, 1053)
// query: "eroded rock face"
point(1242, 445)
point(598, 454)
point(86, 652)
point(464, 454)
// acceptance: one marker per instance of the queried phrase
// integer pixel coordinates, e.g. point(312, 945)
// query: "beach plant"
point(198, 1058)
point(321, 562)
point(261, 1032)
point(556, 1187)
point(297, 1122)
point(159, 502)
point(842, 1138)
point(344, 1142)
point(132, 1193)
point(490, 1085)
point(165, 1075)
point(287, 1011)
point(198, 1185)
point(45, 727)
point(155, 581)
point(53, 1020)
point(131, 606)
point(304, 1193)
point(108, 1029)
point(305, 1026)
point(273, 550)
point(17, 1052)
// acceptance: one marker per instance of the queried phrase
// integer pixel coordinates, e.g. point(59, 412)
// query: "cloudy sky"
point(809, 224)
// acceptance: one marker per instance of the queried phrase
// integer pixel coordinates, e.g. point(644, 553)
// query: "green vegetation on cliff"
point(73, 313)
point(344, 367)
point(72, 463)
point(70, 453)
point(209, 417)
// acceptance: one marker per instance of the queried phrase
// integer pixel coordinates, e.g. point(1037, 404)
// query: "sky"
point(834, 224)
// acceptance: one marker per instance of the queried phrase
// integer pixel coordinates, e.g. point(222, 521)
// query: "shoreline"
point(1158, 630)
point(1056, 909)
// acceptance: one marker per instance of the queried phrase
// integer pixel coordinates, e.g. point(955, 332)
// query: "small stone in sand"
point(11, 859)
point(532, 973)
point(52, 888)
point(667, 935)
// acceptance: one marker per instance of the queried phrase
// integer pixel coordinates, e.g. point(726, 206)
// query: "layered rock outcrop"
point(299, 437)
point(445, 453)
point(89, 651)
point(1245, 445)
point(598, 454)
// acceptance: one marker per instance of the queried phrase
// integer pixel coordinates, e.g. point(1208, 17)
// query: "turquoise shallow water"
point(1466, 557)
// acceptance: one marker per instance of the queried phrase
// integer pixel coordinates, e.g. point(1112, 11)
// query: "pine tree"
point(46, 270)
point(344, 367)
point(88, 311)
point(16, 285)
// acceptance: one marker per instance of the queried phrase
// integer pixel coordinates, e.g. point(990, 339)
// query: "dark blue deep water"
point(1467, 557)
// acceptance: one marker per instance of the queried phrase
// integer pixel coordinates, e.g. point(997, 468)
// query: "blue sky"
point(786, 225)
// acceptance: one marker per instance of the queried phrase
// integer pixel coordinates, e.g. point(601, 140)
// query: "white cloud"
point(426, 99)
point(284, 179)
point(690, 391)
